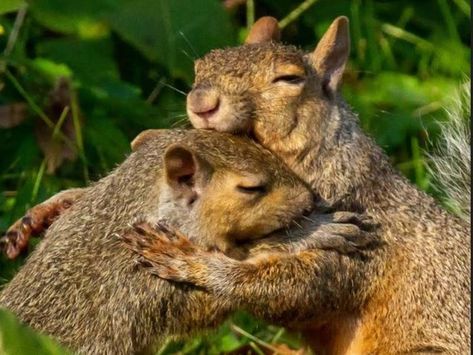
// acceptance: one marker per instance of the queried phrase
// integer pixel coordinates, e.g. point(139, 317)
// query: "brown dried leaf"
point(12, 115)
point(55, 149)
point(232, 4)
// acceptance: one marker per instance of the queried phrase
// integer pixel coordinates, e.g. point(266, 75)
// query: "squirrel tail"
point(450, 162)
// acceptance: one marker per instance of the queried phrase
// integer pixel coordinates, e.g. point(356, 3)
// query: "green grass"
point(128, 61)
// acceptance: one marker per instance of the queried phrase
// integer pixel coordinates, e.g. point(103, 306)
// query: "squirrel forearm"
point(274, 285)
point(37, 219)
point(286, 276)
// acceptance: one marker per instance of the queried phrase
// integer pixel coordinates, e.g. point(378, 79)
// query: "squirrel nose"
point(203, 102)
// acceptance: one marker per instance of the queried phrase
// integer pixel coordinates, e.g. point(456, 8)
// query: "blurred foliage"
point(19, 340)
point(128, 64)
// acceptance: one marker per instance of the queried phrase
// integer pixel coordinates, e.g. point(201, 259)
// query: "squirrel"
point(410, 296)
point(288, 101)
point(82, 286)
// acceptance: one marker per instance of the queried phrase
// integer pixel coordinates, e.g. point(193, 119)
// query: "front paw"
point(347, 233)
point(164, 252)
point(35, 222)
point(361, 220)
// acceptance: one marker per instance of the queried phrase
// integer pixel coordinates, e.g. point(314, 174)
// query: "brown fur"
point(83, 287)
point(413, 295)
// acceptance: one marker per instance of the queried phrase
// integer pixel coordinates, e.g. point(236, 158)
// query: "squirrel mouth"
point(206, 115)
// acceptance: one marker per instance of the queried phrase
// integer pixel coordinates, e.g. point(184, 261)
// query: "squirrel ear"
point(184, 171)
point(331, 54)
point(179, 163)
point(145, 136)
point(265, 29)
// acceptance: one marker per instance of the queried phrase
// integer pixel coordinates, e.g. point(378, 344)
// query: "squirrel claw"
point(164, 252)
point(35, 222)
point(363, 221)
point(7, 244)
point(16, 238)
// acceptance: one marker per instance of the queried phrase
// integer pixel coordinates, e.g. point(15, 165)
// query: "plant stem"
point(20, 17)
point(38, 179)
point(250, 13)
point(78, 133)
point(258, 341)
point(36, 109)
point(60, 122)
point(294, 14)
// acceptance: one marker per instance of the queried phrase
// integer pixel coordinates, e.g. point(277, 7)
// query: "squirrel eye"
point(259, 189)
point(290, 79)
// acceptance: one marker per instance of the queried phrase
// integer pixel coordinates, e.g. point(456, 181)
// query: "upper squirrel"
point(412, 295)
point(82, 286)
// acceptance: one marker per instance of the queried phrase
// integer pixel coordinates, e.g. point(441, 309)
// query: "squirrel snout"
point(203, 102)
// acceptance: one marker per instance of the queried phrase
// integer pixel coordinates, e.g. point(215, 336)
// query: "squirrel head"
point(221, 189)
point(275, 92)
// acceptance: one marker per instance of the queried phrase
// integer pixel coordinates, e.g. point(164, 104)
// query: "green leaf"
point(443, 61)
point(84, 18)
point(91, 61)
point(229, 342)
point(173, 33)
point(10, 6)
point(110, 142)
point(17, 339)
point(51, 70)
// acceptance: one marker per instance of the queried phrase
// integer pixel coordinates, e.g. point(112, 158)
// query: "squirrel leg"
point(261, 285)
point(271, 284)
point(36, 220)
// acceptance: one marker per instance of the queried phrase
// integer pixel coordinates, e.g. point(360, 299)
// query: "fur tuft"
point(450, 162)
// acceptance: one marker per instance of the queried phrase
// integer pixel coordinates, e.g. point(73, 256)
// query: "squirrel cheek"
point(229, 117)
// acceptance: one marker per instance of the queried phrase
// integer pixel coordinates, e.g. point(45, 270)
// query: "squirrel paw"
point(346, 233)
point(165, 252)
point(36, 221)
point(363, 221)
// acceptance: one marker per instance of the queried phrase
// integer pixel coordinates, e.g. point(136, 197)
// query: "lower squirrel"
point(410, 296)
point(82, 286)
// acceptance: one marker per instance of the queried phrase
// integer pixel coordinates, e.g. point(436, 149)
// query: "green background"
point(129, 62)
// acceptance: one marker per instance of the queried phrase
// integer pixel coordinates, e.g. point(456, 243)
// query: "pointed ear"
point(265, 29)
point(185, 172)
point(145, 136)
point(331, 54)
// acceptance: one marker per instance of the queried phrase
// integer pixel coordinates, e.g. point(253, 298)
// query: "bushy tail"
point(450, 162)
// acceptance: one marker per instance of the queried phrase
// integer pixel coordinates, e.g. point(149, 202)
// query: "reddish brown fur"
point(36, 221)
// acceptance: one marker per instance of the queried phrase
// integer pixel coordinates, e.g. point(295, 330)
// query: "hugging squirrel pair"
point(410, 294)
